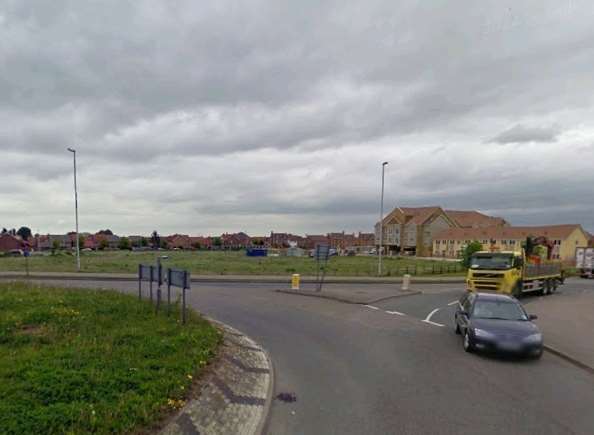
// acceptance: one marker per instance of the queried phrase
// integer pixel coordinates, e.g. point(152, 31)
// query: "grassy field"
point(81, 361)
point(228, 263)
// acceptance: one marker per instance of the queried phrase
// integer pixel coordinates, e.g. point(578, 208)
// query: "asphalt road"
point(383, 369)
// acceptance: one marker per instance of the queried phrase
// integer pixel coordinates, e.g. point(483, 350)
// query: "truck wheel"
point(554, 285)
point(547, 287)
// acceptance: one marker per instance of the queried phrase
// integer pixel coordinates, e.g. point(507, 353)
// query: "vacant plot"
point(80, 361)
point(229, 263)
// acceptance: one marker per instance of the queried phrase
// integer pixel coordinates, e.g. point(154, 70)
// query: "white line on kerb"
point(453, 303)
point(372, 307)
point(398, 313)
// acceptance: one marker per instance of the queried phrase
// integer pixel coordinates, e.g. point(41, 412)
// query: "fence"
point(172, 277)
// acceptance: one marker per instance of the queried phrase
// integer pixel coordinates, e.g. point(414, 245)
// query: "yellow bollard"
point(295, 281)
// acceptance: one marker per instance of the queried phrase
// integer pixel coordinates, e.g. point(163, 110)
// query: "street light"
point(381, 224)
point(73, 151)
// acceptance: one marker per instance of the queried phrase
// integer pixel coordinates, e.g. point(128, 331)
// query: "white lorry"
point(584, 262)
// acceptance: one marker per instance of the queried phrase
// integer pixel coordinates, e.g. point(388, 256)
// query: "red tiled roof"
point(472, 218)
point(549, 231)
point(419, 215)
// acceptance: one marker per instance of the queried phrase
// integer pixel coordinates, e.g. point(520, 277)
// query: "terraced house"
point(565, 238)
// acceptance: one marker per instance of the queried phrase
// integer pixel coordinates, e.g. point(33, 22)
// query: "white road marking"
point(432, 323)
point(398, 313)
point(453, 303)
point(428, 318)
point(372, 307)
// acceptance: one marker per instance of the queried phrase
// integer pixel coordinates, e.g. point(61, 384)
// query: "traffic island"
point(357, 295)
point(95, 361)
point(236, 394)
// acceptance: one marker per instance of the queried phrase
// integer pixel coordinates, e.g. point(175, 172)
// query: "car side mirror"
point(532, 317)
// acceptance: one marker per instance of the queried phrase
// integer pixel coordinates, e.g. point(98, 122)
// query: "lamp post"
point(73, 151)
point(381, 224)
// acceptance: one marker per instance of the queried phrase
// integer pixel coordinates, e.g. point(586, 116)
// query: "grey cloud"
point(189, 114)
point(520, 133)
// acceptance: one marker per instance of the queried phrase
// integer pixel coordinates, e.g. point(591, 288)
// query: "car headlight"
point(534, 338)
point(481, 333)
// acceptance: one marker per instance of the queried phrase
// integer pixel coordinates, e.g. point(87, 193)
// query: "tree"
point(25, 233)
point(196, 245)
point(107, 232)
point(216, 241)
point(164, 244)
point(124, 243)
point(468, 250)
point(155, 240)
point(55, 246)
point(103, 244)
point(4, 230)
point(143, 242)
point(81, 241)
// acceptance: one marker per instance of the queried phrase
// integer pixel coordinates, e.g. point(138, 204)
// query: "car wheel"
point(467, 342)
point(537, 355)
point(457, 330)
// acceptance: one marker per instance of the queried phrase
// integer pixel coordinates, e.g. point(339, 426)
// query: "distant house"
point(179, 241)
point(282, 240)
point(312, 240)
point(235, 241)
point(9, 242)
point(565, 238)
point(201, 242)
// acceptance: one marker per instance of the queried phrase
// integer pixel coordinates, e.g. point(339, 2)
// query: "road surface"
point(392, 368)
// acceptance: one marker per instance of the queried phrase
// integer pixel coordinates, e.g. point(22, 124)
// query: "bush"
point(470, 249)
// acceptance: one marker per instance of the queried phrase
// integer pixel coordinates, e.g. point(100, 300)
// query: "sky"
point(205, 117)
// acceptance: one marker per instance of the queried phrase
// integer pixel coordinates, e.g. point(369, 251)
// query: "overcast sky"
point(203, 117)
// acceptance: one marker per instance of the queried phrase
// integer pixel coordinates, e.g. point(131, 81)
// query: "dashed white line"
point(372, 307)
point(452, 303)
point(398, 313)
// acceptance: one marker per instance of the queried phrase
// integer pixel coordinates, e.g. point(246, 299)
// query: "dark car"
point(498, 323)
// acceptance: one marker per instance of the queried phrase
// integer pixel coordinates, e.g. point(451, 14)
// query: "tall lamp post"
point(73, 151)
point(381, 224)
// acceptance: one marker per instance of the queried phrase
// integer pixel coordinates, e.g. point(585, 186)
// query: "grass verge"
point(80, 361)
point(230, 263)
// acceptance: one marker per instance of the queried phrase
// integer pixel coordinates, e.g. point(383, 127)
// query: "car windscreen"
point(502, 310)
point(495, 261)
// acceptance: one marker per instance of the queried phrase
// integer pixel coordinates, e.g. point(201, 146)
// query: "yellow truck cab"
point(511, 273)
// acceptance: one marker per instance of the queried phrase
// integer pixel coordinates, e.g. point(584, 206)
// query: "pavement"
point(394, 366)
point(235, 396)
point(261, 279)
point(566, 320)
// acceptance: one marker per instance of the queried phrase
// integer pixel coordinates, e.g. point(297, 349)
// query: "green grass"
point(228, 263)
point(79, 361)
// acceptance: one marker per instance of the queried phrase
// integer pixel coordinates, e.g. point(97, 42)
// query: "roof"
point(549, 231)
point(419, 215)
point(495, 296)
point(473, 218)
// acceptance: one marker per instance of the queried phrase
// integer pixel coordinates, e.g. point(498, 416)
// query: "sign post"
point(322, 253)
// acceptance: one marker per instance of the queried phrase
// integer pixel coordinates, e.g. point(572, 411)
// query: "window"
point(512, 242)
point(485, 242)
